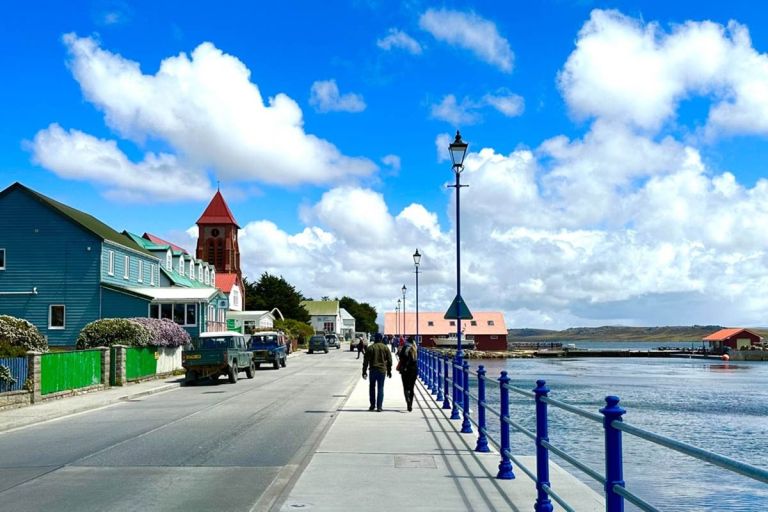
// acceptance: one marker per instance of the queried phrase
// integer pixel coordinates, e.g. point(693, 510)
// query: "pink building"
point(487, 328)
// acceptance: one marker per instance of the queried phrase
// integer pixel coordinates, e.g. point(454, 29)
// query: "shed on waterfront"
point(734, 338)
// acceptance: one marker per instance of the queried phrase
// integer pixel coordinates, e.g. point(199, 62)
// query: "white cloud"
point(471, 32)
point(398, 39)
point(79, 156)
point(392, 161)
point(208, 110)
point(628, 71)
point(511, 105)
point(441, 147)
point(325, 97)
point(450, 111)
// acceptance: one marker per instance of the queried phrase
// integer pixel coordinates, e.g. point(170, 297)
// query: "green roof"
point(147, 244)
point(87, 222)
point(180, 280)
point(321, 307)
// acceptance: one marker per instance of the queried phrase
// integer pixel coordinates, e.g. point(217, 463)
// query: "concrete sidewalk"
point(59, 407)
point(396, 460)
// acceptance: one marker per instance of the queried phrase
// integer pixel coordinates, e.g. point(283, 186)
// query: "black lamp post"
point(416, 261)
point(404, 333)
point(458, 150)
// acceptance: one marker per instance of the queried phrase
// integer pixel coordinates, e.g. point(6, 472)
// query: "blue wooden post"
point(446, 403)
point(614, 472)
point(543, 503)
point(424, 357)
point(456, 387)
point(482, 439)
point(433, 372)
point(466, 426)
point(505, 466)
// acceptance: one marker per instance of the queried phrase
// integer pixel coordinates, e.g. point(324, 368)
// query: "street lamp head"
point(416, 258)
point(398, 303)
point(404, 288)
point(458, 149)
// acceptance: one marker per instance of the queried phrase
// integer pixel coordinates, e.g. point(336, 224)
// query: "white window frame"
point(111, 266)
point(127, 267)
point(2, 260)
point(141, 271)
point(200, 272)
point(50, 317)
point(207, 276)
point(192, 269)
point(213, 277)
point(152, 274)
point(169, 260)
point(181, 265)
point(491, 323)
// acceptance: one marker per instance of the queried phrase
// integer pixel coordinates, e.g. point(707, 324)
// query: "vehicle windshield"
point(263, 339)
point(214, 343)
point(317, 338)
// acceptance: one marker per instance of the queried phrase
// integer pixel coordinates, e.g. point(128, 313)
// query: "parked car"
point(333, 341)
point(218, 353)
point(318, 342)
point(269, 347)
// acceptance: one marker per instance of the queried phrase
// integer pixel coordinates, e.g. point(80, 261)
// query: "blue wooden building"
point(61, 268)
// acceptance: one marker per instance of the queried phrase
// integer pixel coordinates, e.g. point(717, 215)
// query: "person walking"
point(360, 347)
point(408, 368)
point(379, 359)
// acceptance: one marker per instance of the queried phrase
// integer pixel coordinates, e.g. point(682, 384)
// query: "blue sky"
point(616, 161)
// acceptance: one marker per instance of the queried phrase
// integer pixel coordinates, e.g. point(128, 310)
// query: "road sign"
point(458, 310)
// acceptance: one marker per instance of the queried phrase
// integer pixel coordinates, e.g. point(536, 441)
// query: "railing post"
point(543, 503)
point(446, 402)
point(466, 426)
point(614, 472)
point(505, 466)
point(438, 379)
point(482, 439)
point(456, 388)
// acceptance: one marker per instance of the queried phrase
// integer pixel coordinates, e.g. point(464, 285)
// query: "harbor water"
point(718, 406)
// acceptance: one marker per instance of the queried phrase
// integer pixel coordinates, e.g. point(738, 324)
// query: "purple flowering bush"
point(164, 332)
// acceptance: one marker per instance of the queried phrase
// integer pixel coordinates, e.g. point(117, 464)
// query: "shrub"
point(6, 378)
point(164, 332)
point(20, 333)
point(113, 331)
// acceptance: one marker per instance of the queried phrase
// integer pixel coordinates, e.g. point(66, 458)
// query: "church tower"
point(217, 244)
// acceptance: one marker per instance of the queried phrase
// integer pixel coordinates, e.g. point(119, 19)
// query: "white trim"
point(127, 266)
point(169, 259)
point(141, 271)
point(181, 265)
point(125, 248)
point(111, 264)
point(152, 274)
point(50, 317)
point(2, 260)
point(192, 269)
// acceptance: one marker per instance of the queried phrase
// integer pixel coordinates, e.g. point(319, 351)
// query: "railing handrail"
point(436, 374)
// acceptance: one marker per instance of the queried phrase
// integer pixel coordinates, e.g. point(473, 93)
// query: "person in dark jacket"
point(409, 370)
point(360, 347)
point(378, 357)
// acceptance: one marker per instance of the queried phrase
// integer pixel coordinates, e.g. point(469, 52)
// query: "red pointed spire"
point(217, 212)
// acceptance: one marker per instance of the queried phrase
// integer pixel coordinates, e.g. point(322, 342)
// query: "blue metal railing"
point(434, 370)
point(18, 367)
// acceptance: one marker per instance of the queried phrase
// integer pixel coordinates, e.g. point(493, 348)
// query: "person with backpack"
point(408, 367)
point(378, 357)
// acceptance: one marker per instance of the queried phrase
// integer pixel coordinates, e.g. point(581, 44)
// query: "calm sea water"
point(721, 407)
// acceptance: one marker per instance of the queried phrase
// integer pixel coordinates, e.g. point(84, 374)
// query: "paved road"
point(207, 447)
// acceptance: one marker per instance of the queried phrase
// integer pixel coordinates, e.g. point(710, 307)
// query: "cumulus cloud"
point(207, 109)
point(628, 71)
point(392, 161)
point(396, 38)
point(468, 110)
point(325, 97)
point(471, 32)
point(158, 177)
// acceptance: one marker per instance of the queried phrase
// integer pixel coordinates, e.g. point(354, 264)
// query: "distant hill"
point(620, 333)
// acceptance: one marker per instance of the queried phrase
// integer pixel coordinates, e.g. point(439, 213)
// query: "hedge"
point(164, 332)
point(113, 331)
point(18, 334)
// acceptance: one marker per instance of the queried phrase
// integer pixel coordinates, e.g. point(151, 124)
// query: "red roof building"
point(487, 328)
point(735, 338)
point(159, 241)
point(217, 244)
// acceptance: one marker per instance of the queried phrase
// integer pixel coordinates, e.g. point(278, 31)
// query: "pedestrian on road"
point(379, 359)
point(393, 344)
point(408, 368)
point(360, 347)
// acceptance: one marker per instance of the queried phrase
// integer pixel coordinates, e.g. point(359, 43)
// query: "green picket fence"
point(62, 371)
point(140, 362)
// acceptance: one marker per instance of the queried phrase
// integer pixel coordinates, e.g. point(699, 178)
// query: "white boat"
point(467, 341)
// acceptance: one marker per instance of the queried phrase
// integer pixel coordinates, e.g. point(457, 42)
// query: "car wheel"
point(232, 374)
point(250, 370)
point(326, 351)
point(310, 351)
point(190, 378)
point(283, 362)
point(276, 364)
point(258, 365)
